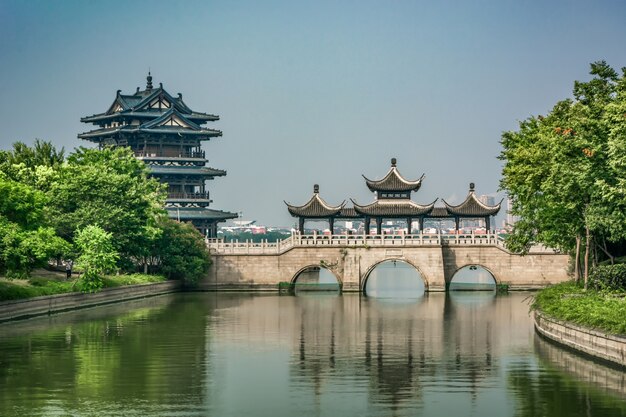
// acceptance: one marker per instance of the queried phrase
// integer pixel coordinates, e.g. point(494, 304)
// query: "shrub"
point(97, 256)
point(182, 252)
point(609, 277)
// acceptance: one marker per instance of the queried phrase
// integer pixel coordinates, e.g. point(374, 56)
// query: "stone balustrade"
point(219, 246)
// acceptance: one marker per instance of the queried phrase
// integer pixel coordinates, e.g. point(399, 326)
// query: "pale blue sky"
point(310, 92)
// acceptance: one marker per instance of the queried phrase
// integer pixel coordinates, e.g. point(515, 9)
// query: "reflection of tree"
point(134, 357)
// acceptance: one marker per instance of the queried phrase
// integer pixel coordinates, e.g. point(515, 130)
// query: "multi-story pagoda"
point(167, 135)
point(393, 201)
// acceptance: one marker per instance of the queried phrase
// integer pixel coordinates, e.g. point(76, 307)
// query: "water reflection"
point(216, 354)
point(472, 278)
point(316, 278)
point(394, 279)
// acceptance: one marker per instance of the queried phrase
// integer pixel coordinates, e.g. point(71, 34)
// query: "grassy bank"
point(46, 283)
point(605, 311)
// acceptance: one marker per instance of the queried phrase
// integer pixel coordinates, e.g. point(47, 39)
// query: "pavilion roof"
point(393, 181)
point(393, 208)
point(472, 206)
point(316, 207)
point(439, 212)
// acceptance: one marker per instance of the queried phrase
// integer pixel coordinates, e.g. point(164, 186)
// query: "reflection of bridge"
point(352, 257)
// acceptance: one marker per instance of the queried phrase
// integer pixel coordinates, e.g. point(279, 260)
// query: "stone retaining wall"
point(19, 309)
point(598, 344)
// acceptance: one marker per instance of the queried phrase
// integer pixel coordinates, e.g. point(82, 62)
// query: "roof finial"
point(393, 162)
point(149, 83)
point(161, 86)
point(316, 189)
point(471, 187)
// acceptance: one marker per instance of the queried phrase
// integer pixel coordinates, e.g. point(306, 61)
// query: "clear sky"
point(310, 92)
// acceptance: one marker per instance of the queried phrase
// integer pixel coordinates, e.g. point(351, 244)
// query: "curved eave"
point(181, 132)
point(393, 181)
point(472, 207)
point(107, 132)
point(189, 213)
point(393, 208)
point(198, 118)
point(179, 170)
point(316, 207)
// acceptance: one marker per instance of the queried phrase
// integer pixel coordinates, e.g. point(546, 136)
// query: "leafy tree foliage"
point(25, 241)
point(109, 188)
point(35, 166)
point(566, 172)
point(101, 201)
point(97, 256)
point(181, 252)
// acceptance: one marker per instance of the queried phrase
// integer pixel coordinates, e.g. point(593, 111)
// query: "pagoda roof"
point(185, 170)
point(146, 114)
point(141, 104)
point(472, 206)
point(170, 122)
point(393, 181)
point(393, 208)
point(198, 213)
point(316, 207)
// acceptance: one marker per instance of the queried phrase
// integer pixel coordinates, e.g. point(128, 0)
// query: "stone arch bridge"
point(247, 265)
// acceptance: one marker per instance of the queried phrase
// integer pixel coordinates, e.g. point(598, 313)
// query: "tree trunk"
point(606, 251)
point(577, 262)
point(587, 244)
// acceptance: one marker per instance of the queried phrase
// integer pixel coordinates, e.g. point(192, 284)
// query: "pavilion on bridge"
point(393, 202)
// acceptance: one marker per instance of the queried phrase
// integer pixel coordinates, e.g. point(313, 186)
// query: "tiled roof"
point(393, 208)
point(393, 181)
point(315, 207)
point(185, 170)
point(198, 213)
point(472, 206)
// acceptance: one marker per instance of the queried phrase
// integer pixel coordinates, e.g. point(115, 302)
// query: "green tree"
point(26, 241)
point(181, 252)
point(97, 256)
point(35, 166)
point(109, 188)
point(559, 170)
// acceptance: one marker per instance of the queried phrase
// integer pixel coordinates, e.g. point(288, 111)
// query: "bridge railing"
point(220, 246)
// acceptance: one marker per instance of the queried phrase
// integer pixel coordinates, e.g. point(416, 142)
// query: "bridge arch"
point(327, 271)
point(366, 276)
point(477, 275)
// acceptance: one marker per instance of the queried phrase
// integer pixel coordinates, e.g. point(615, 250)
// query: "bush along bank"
point(41, 286)
point(602, 307)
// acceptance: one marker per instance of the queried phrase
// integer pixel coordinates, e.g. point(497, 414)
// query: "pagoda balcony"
point(198, 155)
point(189, 196)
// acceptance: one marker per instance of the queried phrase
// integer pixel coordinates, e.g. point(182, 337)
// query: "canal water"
point(313, 354)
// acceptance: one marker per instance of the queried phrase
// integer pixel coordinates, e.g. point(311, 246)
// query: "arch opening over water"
point(472, 278)
point(316, 278)
point(394, 279)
